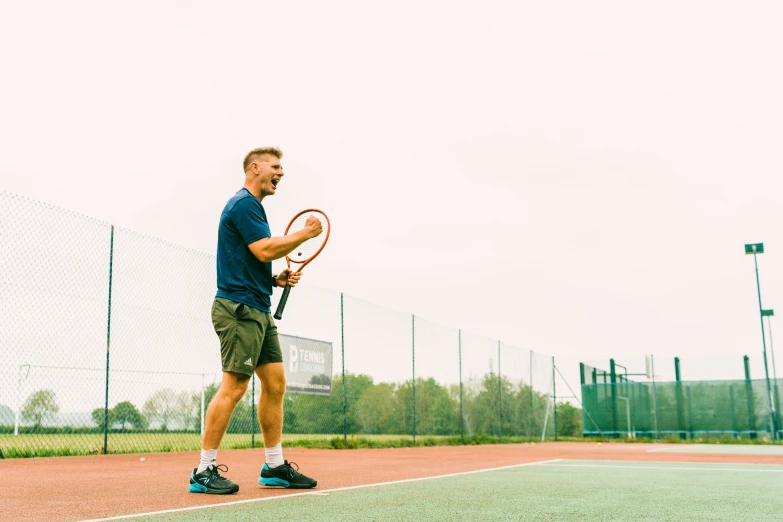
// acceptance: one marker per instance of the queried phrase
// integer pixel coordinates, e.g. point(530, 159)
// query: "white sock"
point(274, 456)
point(207, 457)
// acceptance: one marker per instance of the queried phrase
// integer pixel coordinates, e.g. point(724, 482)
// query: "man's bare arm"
point(271, 248)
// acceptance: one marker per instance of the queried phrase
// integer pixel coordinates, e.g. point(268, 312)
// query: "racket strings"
point(310, 247)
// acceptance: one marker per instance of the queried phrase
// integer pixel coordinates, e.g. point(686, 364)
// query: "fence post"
point(461, 409)
point(531, 395)
point(500, 400)
point(345, 385)
point(749, 395)
point(554, 396)
point(613, 381)
point(655, 396)
point(413, 366)
point(108, 343)
point(678, 398)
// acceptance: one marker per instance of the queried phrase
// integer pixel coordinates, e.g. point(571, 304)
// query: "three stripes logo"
point(249, 362)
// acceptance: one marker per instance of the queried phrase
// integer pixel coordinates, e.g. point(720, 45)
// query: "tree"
point(356, 385)
point(209, 393)
point(189, 408)
point(40, 404)
point(443, 413)
point(519, 421)
point(531, 410)
point(242, 420)
point(436, 413)
point(483, 409)
point(166, 405)
point(99, 416)
point(7, 415)
point(376, 411)
point(126, 413)
point(306, 413)
point(569, 420)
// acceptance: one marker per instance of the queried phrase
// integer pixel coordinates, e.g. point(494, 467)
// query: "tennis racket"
point(304, 253)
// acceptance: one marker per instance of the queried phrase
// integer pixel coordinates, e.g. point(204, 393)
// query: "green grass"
point(71, 444)
point(62, 445)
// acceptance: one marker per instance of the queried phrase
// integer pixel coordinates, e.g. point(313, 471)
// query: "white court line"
point(731, 451)
point(669, 468)
point(321, 492)
point(667, 450)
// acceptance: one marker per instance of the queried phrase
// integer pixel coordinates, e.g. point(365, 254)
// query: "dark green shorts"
point(248, 337)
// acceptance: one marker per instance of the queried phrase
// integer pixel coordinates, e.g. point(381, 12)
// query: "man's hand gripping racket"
point(317, 225)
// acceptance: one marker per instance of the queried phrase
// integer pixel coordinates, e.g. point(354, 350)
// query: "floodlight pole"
point(768, 314)
point(771, 347)
point(758, 248)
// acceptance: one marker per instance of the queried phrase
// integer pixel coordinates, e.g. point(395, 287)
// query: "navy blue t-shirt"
point(241, 277)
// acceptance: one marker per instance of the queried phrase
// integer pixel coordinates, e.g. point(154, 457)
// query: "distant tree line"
point(492, 406)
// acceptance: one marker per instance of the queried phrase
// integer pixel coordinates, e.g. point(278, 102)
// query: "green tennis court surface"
point(727, 449)
point(554, 490)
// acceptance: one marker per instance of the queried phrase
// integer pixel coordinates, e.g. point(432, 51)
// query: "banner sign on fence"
point(308, 365)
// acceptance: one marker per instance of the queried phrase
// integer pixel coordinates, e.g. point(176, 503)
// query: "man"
point(243, 322)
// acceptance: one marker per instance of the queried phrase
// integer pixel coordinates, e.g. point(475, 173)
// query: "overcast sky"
point(576, 178)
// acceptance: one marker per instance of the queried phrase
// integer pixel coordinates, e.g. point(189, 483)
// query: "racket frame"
point(287, 290)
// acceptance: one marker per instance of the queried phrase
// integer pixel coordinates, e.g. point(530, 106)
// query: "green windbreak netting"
point(739, 408)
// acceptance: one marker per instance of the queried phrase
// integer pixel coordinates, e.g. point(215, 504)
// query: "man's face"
point(268, 171)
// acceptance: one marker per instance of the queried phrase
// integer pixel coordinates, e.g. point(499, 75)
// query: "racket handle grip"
point(281, 304)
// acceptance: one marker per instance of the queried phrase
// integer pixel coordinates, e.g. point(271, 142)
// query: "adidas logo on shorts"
point(249, 362)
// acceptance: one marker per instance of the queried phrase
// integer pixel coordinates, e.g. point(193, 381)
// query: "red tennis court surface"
point(79, 488)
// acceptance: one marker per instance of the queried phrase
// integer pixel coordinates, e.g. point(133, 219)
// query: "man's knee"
point(234, 385)
point(275, 388)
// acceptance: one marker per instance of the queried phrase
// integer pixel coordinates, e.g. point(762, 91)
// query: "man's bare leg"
point(232, 389)
point(270, 403)
point(206, 478)
point(275, 472)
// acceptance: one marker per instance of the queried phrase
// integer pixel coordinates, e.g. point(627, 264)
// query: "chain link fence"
point(107, 347)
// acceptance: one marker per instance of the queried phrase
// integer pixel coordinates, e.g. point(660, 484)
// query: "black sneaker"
point(285, 476)
point(210, 481)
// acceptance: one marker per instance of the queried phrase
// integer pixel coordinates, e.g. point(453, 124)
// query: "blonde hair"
point(274, 151)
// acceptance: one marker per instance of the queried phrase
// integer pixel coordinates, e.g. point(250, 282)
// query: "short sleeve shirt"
point(241, 277)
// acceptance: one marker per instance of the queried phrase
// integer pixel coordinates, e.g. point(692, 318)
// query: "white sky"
point(576, 178)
